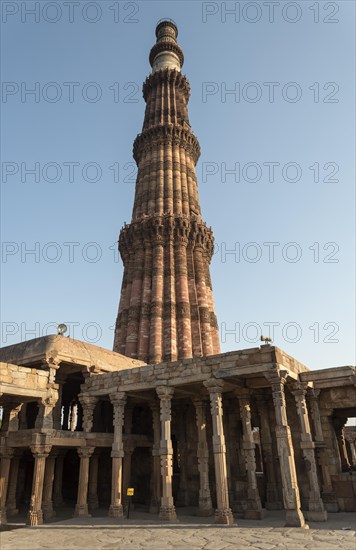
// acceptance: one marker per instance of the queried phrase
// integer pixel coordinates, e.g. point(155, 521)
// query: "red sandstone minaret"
point(166, 307)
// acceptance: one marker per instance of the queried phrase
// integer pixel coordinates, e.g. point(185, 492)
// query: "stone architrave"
point(167, 510)
point(35, 514)
point(119, 401)
point(5, 463)
point(223, 514)
point(81, 508)
point(205, 504)
point(254, 507)
point(291, 497)
point(316, 510)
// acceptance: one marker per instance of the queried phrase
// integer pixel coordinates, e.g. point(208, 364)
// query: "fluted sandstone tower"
point(166, 307)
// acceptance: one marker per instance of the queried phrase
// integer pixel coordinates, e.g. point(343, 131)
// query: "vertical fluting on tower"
point(166, 309)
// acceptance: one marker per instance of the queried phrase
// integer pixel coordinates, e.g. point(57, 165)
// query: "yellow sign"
point(130, 492)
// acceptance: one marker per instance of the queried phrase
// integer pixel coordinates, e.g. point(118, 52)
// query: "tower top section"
point(166, 53)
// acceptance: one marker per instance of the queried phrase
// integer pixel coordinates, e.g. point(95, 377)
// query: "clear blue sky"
point(309, 123)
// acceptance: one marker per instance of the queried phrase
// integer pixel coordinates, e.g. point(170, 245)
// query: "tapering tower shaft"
point(166, 307)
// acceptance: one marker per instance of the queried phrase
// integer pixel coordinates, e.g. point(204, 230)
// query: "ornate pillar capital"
point(118, 398)
point(165, 392)
point(85, 452)
point(214, 385)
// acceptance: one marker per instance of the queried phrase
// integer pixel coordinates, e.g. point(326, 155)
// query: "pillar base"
point(116, 511)
point(48, 512)
point(320, 515)
point(330, 502)
point(81, 511)
point(167, 513)
point(3, 518)
point(93, 503)
point(34, 517)
point(295, 518)
point(154, 506)
point(254, 514)
point(12, 511)
point(204, 512)
point(224, 517)
point(274, 505)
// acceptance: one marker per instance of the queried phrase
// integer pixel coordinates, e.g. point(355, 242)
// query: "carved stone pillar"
point(47, 503)
point(272, 494)
point(353, 451)
point(88, 404)
point(58, 477)
point(81, 508)
point(223, 514)
point(11, 506)
point(180, 421)
point(57, 411)
point(44, 418)
point(291, 498)
point(118, 400)
point(93, 501)
point(167, 510)
point(205, 505)
point(129, 448)
point(10, 416)
point(156, 466)
point(40, 453)
point(316, 511)
point(339, 424)
point(5, 462)
point(254, 507)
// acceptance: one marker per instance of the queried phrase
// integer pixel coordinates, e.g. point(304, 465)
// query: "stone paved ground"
point(144, 532)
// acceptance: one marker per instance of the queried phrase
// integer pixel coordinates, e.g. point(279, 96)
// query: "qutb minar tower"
point(166, 307)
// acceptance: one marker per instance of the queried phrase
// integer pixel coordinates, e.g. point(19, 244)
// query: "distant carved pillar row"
point(223, 514)
point(58, 479)
point(5, 463)
point(167, 509)
point(118, 400)
point(81, 508)
point(291, 497)
point(11, 505)
point(322, 453)
point(316, 510)
point(180, 421)
point(47, 503)
point(156, 327)
point(127, 464)
point(205, 504)
point(93, 501)
point(272, 493)
point(254, 506)
point(35, 515)
point(143, 343)
point(204, 315)
point(156, 460)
